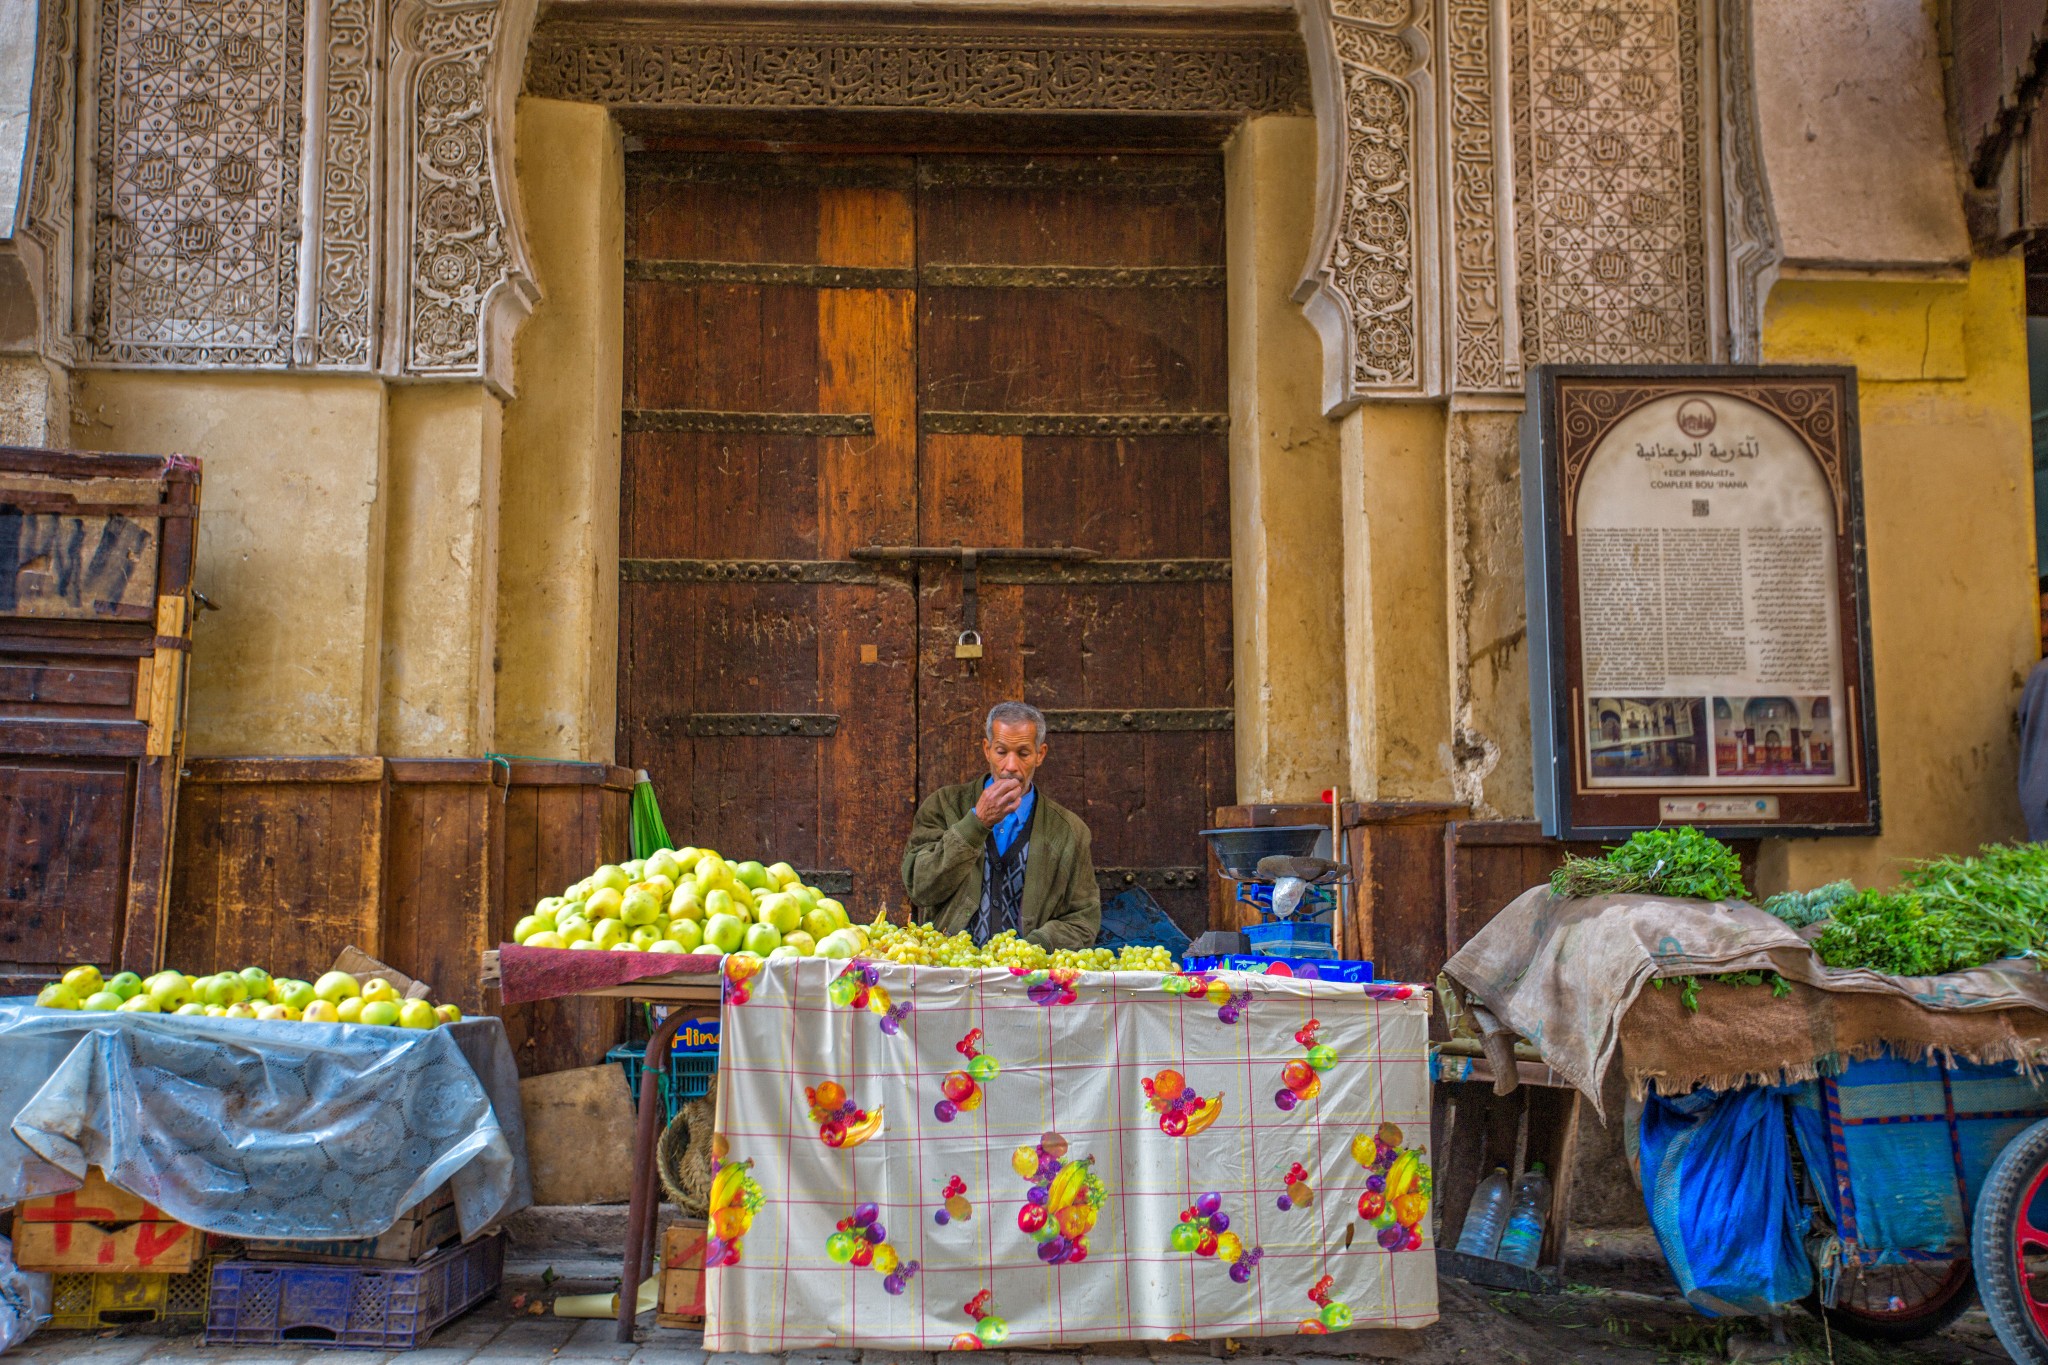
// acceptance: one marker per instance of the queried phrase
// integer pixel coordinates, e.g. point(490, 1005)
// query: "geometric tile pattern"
point(1611, 229)
point(195, 241)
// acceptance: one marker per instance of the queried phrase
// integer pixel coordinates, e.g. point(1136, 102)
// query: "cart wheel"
point(2009, 1238)
point(1898, 1302)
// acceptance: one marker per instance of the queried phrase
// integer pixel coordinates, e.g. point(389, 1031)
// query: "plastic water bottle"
point(1523, 1238)
point(1487, 1216)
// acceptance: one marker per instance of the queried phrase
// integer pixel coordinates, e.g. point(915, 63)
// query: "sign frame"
point(1818, 403)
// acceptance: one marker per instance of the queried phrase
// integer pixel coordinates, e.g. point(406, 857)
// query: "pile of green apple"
point(691, 900)
point(251, 993)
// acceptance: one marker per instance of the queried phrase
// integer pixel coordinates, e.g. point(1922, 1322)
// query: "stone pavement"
point(1628, 1319)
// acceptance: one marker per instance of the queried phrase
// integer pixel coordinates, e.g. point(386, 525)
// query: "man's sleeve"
point(1080, 918)
point(939, 855)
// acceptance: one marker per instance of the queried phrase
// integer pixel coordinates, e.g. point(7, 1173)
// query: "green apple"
point(297, 994)
point(448, 1014)
point(102, 1001)
point(719, 902)
point(835, 910)
point(350, 1010)
point(639, 907)
point(804, 943)
point(529, 925)
point(223, 988)
point(781, 874)
point(83, 981)
point(127, 985)
point(751, 874)
point(139, 1004)
point(382, 1013)
point(586, 944)
point(783, 912)
point(783, 950)
point(377, 988)
point(723, 932)
point(190, 1008)
point(761, 939)
point(609, 933)
point(643, 936)
point(686, 903)
point(321, 1012)
point(687, 935)
point(840, 943)
point(169, 991)
point(665, 945)
point(634, 869)
point(215, 1011)
point(335, 987)
point(546, 938)
point(417, 1014)
point(604, 904)
point(243, 1010)
point(663, 864)
point(256, 979)
point(57, 996)
point(611, 878)
point(573, 934)
point(819, 923)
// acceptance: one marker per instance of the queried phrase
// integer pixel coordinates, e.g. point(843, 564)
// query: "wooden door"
point(95, 592)
point(833, 358)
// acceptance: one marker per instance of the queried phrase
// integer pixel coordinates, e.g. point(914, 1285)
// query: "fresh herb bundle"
point(1679, 861)
point(1948, 915)
point(1689, 986)
point(1801, 908)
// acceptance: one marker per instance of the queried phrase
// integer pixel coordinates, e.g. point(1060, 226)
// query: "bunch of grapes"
point(922, 945)
point(1204, 1229)
point(1048, 987)
point(861, 1240)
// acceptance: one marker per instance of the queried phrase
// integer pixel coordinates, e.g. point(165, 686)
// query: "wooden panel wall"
point(423, 863)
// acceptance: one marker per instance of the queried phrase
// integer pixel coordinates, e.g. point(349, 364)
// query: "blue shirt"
point(1010, 826)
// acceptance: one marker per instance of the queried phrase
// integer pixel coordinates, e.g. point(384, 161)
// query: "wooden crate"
point(682, 1275)
point(102, 1227)
point(424, 1228)
point(1474, 1130)
point(96, 556)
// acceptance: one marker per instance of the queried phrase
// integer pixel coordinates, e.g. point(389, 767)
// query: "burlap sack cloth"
point(1573, 977)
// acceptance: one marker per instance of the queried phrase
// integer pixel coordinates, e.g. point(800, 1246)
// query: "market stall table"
point(846, 1087)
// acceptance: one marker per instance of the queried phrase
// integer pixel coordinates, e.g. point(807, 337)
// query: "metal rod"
point(955, 552)
point(641, 1210)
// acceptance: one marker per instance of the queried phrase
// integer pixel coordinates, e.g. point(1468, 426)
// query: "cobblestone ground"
point(1628, 1318)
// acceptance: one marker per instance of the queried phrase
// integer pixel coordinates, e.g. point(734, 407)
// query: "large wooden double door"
point(843, 371)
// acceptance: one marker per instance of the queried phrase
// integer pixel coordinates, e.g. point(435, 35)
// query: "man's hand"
point(998, 799)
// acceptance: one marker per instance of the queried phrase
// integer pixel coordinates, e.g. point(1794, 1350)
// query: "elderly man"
point(998, 854)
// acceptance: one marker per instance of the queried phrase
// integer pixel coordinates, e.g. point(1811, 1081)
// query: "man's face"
point(1015, 752)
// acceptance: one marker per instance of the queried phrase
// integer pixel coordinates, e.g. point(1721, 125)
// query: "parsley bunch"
point(1678, 861)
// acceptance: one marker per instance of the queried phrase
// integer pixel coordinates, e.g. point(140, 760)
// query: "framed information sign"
point(1698, 613)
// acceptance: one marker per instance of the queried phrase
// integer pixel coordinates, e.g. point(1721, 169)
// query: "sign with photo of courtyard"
point(1699, 622)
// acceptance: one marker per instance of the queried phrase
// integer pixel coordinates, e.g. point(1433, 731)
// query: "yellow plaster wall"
point(1948, 511)
point(1396, 611)
point(441, 572)
point(1286, 534)
point(558, 585)
point(291, 537)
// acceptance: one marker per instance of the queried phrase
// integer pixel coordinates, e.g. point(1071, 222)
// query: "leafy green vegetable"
point(1679, 861)
point(1800, 908)
point(1689, 986)
point(1948, 915)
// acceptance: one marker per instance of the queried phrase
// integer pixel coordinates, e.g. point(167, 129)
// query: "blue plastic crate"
point(1350, 971)
point(1291, 938)
point(689, 1075)
point(268, 1303)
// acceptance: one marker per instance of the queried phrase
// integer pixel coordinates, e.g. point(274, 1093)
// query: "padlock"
point(968, 646)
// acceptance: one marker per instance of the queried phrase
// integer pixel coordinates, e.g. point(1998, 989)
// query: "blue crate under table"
point(268, 1303)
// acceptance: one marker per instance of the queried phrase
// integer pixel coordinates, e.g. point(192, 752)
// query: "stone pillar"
point(1396, 631)
point(291, 545)
point(558, 584)
point(1489, 625)
point(1286, 537)
point(441, 572)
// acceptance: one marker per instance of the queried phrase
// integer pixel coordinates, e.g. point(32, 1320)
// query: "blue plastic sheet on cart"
point(259, 1129)
point(1717, 1176)
point(1900, 1149)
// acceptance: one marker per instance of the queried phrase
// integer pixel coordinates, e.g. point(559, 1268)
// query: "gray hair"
point(1013, 713)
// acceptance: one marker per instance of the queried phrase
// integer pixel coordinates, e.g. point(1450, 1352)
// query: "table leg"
point(646, 1200)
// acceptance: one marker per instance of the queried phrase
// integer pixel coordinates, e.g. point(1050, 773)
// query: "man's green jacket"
point(942, 870)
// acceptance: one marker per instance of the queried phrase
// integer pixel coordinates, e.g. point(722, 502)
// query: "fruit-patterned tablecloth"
point(926, 1157)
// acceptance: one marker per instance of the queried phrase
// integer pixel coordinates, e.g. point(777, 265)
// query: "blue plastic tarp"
point(260, 1129)
point(1717, 1176)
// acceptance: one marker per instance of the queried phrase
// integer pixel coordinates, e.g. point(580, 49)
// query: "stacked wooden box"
point(114, 1258)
